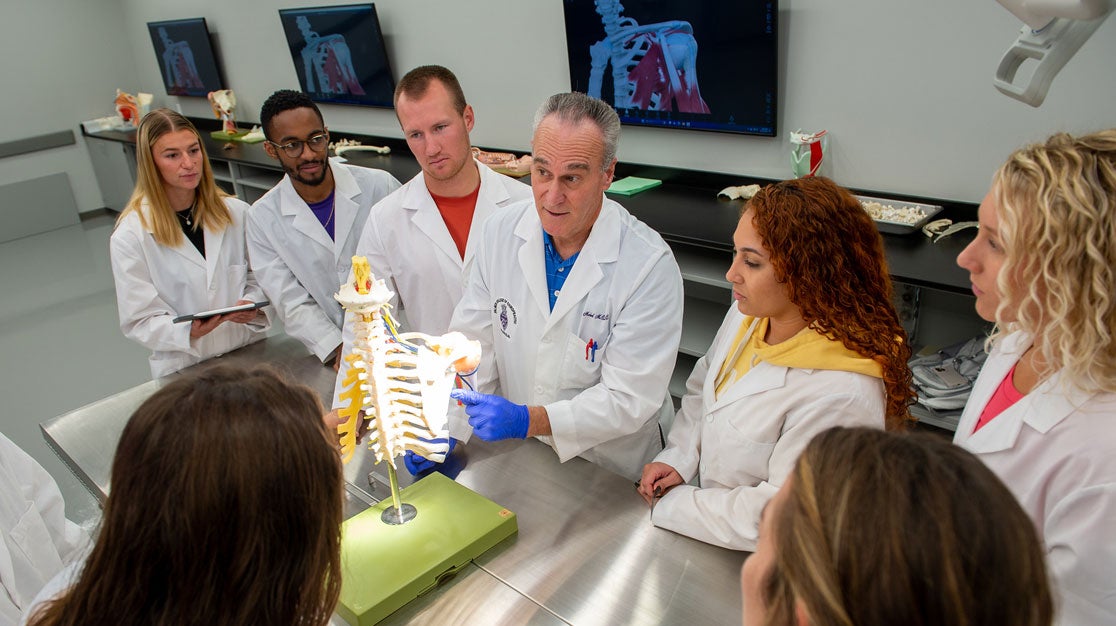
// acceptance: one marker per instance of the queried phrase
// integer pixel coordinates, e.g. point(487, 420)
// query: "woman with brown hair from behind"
point(225, 508)
point(812, 341)
point(877, 529)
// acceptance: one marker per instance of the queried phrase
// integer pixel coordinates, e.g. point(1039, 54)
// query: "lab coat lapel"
point(601, 247)
point(762, 377)
point(346, 204)
point(529, 232)
point(184, 247)
point(993, 371)
point(492, 196)
point(719, 353)
point(213, 249)
point(302, 219)
point(1042, 409)
point(428, 219)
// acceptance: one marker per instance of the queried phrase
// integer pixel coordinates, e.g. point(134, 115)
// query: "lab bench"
point(586, 552)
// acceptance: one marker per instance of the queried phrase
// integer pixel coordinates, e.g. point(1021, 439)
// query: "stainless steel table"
point(586, 552)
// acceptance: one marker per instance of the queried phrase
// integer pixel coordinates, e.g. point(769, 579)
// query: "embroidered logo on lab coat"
point(505, 312)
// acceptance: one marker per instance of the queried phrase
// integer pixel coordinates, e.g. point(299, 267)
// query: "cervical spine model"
point(401, 382)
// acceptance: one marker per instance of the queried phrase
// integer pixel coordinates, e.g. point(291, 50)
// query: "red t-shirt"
point(1004, 396)
point(457, 213)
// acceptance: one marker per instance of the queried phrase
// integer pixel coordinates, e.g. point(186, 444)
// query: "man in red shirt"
point(422, 237)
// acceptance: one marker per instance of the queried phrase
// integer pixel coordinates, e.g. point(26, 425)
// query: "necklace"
point(186, 215)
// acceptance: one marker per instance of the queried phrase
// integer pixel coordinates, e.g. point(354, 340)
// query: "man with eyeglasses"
point(303, 232)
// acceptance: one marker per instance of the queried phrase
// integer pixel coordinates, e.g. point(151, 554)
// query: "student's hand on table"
point(657, 479)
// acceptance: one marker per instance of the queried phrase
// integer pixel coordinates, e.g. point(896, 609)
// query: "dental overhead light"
point(1053, 31)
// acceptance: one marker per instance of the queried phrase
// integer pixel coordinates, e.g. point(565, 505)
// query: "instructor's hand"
point(417, 464)
point(492, 417)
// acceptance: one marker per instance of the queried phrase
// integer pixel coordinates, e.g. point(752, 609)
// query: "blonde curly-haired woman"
point(1043, 411)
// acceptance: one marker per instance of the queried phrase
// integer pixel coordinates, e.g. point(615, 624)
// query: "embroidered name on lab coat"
point(596, 316)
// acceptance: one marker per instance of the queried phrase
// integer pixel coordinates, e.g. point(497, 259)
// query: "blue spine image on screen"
point(179, 69)
point(328, 61)
point(654, 67)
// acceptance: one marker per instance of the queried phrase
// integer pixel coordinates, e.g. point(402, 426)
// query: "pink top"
point(1005, 395)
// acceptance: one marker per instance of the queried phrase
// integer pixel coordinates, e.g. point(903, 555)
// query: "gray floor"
point(60, 343)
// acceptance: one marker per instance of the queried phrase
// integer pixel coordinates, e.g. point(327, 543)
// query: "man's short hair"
point(415, 83)
point(285, 100)
point(575, 107)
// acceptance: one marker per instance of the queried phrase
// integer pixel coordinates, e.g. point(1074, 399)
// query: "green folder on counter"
point(631, 185)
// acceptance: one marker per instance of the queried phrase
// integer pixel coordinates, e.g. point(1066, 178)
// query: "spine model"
point(398, 383)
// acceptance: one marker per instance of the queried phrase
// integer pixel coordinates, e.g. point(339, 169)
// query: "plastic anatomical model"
point(654, 67)
point(223, 103)
point(399, 381)
point(807, 152)
point(328, 61)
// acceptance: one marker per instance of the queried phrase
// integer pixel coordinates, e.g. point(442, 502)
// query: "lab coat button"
point(539, 389)
point(709, 418)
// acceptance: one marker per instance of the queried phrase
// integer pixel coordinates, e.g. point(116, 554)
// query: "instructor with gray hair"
point(577, 305)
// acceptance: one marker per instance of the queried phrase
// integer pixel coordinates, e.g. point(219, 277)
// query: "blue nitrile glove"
point(416, 463)
point(492, 417)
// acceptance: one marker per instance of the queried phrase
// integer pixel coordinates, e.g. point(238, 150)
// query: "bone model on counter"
point(504, 162)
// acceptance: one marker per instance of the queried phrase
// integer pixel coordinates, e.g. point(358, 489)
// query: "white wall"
point(905, 92)
point(61, 62)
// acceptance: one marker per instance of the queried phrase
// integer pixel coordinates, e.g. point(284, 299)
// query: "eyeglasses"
point(293, 149)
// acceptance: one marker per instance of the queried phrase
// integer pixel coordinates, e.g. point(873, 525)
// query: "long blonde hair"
point(1057, 219)
point(210, 212)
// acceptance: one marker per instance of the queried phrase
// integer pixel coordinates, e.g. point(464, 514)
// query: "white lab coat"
point(1056, 450)
point(743, 445)
point(624, 292)
point(156, 283)
point(37, 539)
point(410, 248)
point(297, 264)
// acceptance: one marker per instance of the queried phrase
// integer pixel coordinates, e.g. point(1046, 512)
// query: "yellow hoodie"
point(807, 349)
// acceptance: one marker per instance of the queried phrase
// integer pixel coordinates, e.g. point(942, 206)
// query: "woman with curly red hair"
point(812, 342)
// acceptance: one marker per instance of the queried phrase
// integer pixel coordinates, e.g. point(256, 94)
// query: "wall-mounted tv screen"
point(690, 64)
point(186, 58)
point(339, 54)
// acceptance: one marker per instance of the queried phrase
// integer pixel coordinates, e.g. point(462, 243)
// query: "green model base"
point(385, 566)
point(221, 135)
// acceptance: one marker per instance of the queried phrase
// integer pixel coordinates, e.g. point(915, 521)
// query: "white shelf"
point(251, 194)
point(700, 321)
point(707, 267)
point(220, 169)
point(261, 181)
